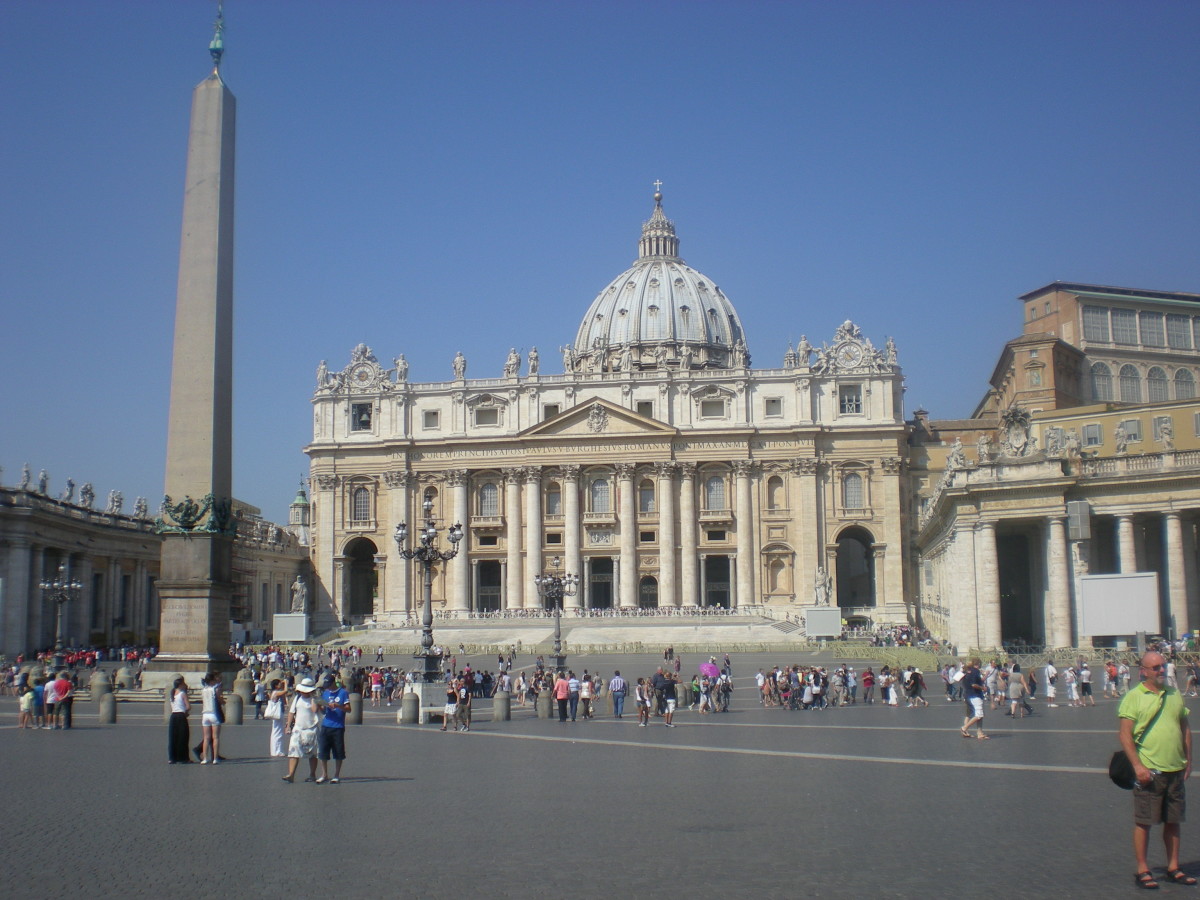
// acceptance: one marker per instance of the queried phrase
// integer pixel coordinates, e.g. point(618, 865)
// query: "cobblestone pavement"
point(861, 802)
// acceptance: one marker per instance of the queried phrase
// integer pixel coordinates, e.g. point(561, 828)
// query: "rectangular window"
point(646, 537)
point(490, 540)
point(431, 420)
point(1133, 429)
point(645, 408)
point(1159, 423)
point(553, 538)
point(1152, 329)
point(1124, 326)
point(850, 399)
point(928, 574)
point(712, 409)
point(1095, 323)
point(360, 416)
point(1179, 332)
point(1047, 311)
point(487, 417)
point(550, 410)
point(1093, 435)
point(715, 535)
point(773, 407)
point(1196, 424)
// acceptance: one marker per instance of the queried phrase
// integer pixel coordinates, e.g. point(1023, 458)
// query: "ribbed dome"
point(659, 313)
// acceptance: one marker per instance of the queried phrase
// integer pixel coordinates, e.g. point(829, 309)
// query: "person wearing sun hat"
point(302, 720)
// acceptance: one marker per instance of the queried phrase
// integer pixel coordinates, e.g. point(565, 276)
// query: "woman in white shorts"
point(211, 718)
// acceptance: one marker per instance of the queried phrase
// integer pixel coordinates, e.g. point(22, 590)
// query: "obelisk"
point(196, 581)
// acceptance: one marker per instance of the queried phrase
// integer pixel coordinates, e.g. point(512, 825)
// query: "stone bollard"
point(233, 709)
point(356, 710)
point(502, 706)
point(108, 709)
point(244, 688)
point(126, 678)
point(99, 685)
point(544, 705)
point(410, 709)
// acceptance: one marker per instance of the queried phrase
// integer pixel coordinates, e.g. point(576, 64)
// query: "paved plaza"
point(866, 801)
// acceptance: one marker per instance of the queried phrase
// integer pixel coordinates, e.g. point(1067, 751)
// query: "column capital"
point(398, 479)
point(665, 469)
point(512, 475)
point(571, 473)
point(806, 466)
point(626, 470)
point(326, 482)
point(687, 470)
point(456, 477)
point(532, 474)
point(743, 468)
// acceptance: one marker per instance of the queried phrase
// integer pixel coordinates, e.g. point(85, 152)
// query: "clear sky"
point(430, 177)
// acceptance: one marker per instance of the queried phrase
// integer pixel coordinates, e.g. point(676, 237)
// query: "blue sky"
point(429, 177)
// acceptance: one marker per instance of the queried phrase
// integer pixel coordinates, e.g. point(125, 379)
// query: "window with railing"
point(600, 494)
point(489, 499)
point(646, 497)
point(714, 493)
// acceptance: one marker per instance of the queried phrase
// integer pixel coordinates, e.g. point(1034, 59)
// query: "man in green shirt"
point(1155, 736)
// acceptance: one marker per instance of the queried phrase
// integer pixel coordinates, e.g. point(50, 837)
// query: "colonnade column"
point(1126, 550)
point(742, 469)
point(1058, 605)
point(1176, 576)
point(666, 534)
point(989, 587)
point(689, 574)
point(573, 535)
point(14, 615)
point(628, 524)
point(460, 569)
point(533, 529)
point(398, 597)
point(512, 539)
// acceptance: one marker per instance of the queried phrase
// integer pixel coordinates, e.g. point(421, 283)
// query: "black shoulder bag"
point(1120, 769)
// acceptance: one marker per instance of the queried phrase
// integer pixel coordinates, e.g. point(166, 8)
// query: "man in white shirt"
point(1050, 677)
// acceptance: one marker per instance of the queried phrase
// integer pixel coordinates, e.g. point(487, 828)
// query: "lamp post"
point(427, 554)
point(61, 590)
point(553, 587)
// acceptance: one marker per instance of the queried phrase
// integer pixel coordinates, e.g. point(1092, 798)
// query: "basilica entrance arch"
point(488, 585)
point(717, 580)
point(361, 578)
point(855, 568)
point(648, 592)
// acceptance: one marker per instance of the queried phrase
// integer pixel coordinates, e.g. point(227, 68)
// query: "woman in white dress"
point(303, 717)
point(211, 718)
point(278, 692)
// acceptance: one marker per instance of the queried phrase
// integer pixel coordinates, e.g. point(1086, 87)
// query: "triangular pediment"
point(595, 418)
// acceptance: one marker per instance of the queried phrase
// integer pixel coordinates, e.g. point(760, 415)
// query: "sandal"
point(1178, 876)
point(1145, 881)
point(984, 737)
point(963, 733)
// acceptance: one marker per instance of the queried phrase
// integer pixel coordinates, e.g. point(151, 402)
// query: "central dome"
point(659, 313)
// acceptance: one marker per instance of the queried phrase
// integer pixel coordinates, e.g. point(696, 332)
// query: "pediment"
point(595, 418)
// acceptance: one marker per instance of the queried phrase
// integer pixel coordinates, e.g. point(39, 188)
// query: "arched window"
point(852, 491)
point(775, 493)
point(553, 499)
point(1131, 385)
point(1101, 382)
point(489, 500)
point(1156, 385)
point(360, 504)
point(714, 493)
point(646, 496)
point(601, 496)
point(1185, 385)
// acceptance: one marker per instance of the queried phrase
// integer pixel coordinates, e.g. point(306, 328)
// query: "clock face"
point(849, 355)
point(361, 374)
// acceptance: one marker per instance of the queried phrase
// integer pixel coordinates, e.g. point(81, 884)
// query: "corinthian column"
point(742, 470)
point(689, 560)
point(397, 598)
point(628, 526)
point(512, 538)
point(533, 528)
point(666, 534)
point(573, 536)
point(1126, 549)
point(460, 570)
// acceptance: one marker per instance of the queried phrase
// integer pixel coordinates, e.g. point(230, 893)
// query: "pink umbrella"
point(710, 669)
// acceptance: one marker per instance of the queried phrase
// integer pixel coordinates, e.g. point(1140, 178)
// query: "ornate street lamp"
point(553, 587)
point(427, 554)
point(61, 590)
